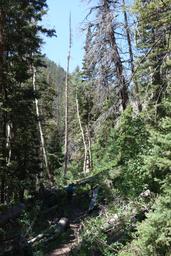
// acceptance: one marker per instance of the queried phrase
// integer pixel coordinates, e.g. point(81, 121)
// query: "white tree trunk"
point(40, 129)
point(8, 139)
point(66, 103)
point(89, 148)
point(85, 170)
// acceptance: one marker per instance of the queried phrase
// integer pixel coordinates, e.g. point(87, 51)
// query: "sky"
point(56, 49)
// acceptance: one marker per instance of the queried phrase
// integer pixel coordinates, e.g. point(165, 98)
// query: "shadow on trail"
point(54, 219)
point(57, 205)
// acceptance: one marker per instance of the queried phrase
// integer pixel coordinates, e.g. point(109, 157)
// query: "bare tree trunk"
point(8, 141)
point(120, 73)
point(66, 103)
point(123, 88)
point(83, 135)
point(89, 146)
point(40, 130)
point(136, 87)
point(86, 141)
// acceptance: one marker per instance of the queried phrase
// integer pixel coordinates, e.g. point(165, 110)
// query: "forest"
point(85, 156)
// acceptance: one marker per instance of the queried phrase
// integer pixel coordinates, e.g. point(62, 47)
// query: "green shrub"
point(154, 234)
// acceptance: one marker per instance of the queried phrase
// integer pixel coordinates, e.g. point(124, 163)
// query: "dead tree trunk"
point(136, 87)
point(123, 88)
point(52, 233)
point(116, 58)
point(89, 155)
point(40, 130)
point(8, 141)
point(66, 103)
point(83, 135)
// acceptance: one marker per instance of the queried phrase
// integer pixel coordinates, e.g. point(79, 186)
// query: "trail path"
point(71, 241)
point(71, 238)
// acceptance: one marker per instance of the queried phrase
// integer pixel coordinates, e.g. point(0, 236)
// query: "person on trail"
point(70, 191)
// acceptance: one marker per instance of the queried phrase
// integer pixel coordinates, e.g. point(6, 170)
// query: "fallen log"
point(52, 232)
point(93, 178)
point(11, 213)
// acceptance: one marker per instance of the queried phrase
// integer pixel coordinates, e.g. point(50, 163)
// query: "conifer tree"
point(20, 50)
point(103, 54)
point(153, 39)
point(135, 90)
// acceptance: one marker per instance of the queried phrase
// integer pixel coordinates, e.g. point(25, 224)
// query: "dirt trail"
point(72, 235)
point(71, 241)
point(76, 212)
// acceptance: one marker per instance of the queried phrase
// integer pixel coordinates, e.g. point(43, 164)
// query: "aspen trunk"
point(82, 134)
point(40, 130)
point(136, 87)
point(89, 147)
point(66, 103)
point(8, 141)
point(87, 160)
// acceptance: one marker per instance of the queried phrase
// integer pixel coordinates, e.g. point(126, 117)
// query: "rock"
point(64, 223)
point(114, 219)
point(146, 194)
